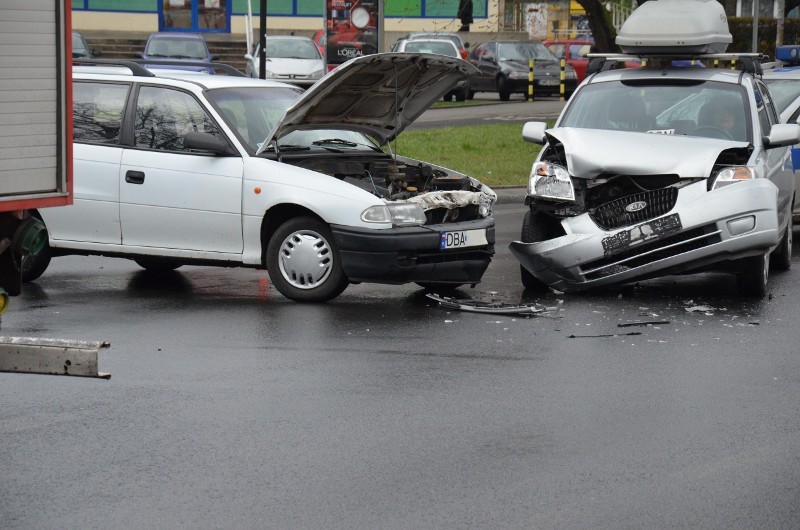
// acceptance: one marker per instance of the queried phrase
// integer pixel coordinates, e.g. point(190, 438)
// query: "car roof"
point(783, 72)
point(406, 42)
point(178, 78)
point(723, 75)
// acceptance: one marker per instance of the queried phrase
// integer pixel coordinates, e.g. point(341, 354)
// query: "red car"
point(574, 51)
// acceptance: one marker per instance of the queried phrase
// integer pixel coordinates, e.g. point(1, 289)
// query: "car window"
point(559, 50)
point(176, 48)
point(97, 110)
point(165, 116)
point(523, 51)
point(292, 49)
point(765, 117)
point(784, 91)
point(704, 109)
point(442, 47)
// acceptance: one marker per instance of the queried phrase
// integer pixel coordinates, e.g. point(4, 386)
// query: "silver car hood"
point(592, 152)
point(378, 95)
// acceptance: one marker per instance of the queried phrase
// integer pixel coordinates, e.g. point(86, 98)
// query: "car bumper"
point(413, 254)
point(733, 222)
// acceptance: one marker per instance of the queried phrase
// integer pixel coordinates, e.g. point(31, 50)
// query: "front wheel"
point(781, 258)
point(502, 88)
point(754, 275)
point(535, 227)
point(303, 261)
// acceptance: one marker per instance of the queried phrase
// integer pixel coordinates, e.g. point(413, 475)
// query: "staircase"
point(227, 48)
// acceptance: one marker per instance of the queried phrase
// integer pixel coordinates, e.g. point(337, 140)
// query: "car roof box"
point(676, 27)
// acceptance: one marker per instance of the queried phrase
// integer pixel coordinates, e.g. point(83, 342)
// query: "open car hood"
point(593, 152)
point(378, 95)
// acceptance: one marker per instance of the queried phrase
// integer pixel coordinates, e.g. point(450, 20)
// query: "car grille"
point(653, 251)
point(612, 215)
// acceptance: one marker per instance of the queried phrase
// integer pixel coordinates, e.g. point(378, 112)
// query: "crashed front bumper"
point(703, 228)
point(413, 254)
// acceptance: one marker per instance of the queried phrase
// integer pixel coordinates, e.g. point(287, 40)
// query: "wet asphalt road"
point(232, 407)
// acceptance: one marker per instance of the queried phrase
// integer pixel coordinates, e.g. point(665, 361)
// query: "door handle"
point(134, 177)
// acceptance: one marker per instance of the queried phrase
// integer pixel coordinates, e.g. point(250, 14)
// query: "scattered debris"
point(497, 308)
point(643, 323)
point(700, 309)
point(604, 335)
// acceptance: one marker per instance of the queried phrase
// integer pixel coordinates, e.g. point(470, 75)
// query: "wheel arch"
point(275, 217)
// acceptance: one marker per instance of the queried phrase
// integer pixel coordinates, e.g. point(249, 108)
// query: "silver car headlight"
point(317, 74)
point(733, 174)
point(399, 214)
point(518, 74)
point(550, 181)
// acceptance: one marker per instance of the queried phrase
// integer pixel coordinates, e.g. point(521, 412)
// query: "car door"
point(483, 57)
point(93, 217)
point(779, 166)
point(171, 197)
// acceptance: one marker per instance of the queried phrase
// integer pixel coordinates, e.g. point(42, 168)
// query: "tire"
point(470, 94)
point(781, 258)
point(462, 94)
point(502, 88)
point(754, 276)
point(157, 265)
point(535, 227)
point(303, 261)
point(32, 267)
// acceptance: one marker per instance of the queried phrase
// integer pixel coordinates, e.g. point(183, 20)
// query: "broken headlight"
point(730, 175)
point(550, 181)
point(399, 214)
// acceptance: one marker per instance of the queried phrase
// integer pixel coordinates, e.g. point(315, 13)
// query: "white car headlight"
point(399, 214)
point(550, 181)
point(317, 74)
point(733, 174)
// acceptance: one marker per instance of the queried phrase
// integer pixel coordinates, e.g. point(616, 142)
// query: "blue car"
point(177, 48)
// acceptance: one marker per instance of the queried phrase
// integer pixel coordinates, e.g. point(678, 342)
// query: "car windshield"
point(77, 43)
point(431, 46)
point(292, 49)
point(784, 91)
point(706, 109)
point(176, 48)
point(252, 112)
point(524, 51)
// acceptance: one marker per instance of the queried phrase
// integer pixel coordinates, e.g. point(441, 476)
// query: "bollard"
point(561, 87)
point(530, 80)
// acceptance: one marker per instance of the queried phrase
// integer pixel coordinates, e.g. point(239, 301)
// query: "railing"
point(619, 14)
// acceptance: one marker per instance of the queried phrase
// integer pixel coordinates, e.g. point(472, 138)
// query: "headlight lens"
point(569, 73)
point(733, 174)
point(399, 214)
point(550, 181)
point(316, 74)
point(517, 74)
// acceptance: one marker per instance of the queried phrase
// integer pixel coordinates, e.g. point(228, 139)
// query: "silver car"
point(290, 59)
point(656, 171)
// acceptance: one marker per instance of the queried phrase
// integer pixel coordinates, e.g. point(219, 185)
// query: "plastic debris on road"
point(496, 308)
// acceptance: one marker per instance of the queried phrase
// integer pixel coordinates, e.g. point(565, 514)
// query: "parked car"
point(504, 67)
point(80, 48)
point(319, 39)
point(441, 47)
point(291, 59)
point(661, 170)
point(574, 52)
point(189, 168)
point(177, 48)
point(455, 38)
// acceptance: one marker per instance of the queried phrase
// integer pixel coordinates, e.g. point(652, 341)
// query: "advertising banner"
point(354, 28)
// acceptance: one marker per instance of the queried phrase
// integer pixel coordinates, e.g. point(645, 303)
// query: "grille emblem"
point(636, 206)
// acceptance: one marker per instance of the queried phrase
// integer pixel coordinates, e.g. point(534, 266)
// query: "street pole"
point(756, 9)
point(262, 38)
point(781, 5)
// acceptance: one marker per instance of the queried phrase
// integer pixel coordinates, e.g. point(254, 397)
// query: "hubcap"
point(306, 259)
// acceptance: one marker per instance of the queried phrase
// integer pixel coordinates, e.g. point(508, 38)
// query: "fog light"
point(741, 225)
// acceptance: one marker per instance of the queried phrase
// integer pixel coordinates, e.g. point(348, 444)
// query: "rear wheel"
point(157, 265)
point(32, 266)
point(754, 275)
point(502, 88)
point(303, 261)
point(470, 94)
point(536, 227)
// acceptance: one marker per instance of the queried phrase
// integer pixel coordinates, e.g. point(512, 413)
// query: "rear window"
point(440, 48)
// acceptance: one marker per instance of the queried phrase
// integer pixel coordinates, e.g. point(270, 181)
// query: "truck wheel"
point(535, 228)
point(754, 275)
point(303, 261)
point(32, 266)
point(157, 265)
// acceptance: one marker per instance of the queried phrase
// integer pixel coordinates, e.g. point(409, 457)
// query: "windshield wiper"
point(335, 141)
point(288, 147)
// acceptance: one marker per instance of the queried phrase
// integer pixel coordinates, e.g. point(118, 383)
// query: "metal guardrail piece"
point(51, 356)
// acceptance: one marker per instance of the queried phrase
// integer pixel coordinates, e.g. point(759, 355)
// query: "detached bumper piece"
point(414, 254)
point(51, 356)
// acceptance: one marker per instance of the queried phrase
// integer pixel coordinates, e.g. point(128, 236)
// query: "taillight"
point(463, 54)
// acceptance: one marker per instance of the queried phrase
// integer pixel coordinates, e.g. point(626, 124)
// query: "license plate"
point(549, 82)
point(463, 239)
point(644, 232)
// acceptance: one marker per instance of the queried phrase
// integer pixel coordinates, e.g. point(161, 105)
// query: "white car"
point(189, 168)
point(441, 47)
point(290, 59)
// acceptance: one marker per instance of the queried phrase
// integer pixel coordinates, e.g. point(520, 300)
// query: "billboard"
point(353, 28)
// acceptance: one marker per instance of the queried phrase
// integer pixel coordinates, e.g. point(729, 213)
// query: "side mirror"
point(249, 57)
point(202, 141)
point(533, 132)
point(96, 53)
point(782, 135)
